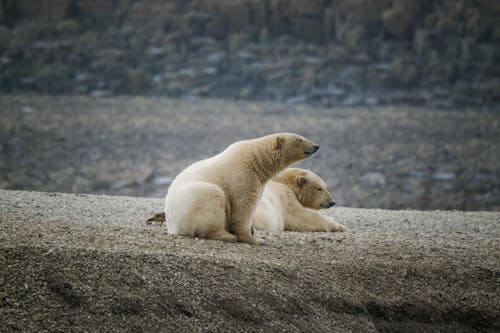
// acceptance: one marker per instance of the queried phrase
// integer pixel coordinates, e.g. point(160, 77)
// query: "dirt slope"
point(89, 263)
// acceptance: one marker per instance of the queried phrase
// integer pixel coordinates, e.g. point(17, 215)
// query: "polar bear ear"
point(279, 142)
point(301, 181)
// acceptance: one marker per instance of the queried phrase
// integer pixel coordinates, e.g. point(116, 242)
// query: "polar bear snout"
point(327, 204)
point(312, 150)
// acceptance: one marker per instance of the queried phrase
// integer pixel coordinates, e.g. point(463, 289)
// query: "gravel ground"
point(383, 157)
point(90, 263)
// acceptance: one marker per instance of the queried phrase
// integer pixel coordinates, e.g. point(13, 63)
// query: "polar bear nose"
point(312, 150)
point(331, 204)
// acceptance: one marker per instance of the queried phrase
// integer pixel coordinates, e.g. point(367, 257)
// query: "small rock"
point(371, 100)
point(416, 173)
point(112, 55)
point(68, 26)
point(81, 77)
point(135, 81)
point(399, 19)
point(352, 100)
point(27, 109)
point(5, 36)
point(443, 176)
point(210, 70)
point(100, 93)
point(162, 181)
point(404, 70)
point(215, 58)
point(373, 179)
point(296, 100)
point(246, 92)
point(353, 37)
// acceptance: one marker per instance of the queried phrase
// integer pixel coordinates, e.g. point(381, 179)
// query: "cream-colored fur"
point(284, 201)
point(216, 198)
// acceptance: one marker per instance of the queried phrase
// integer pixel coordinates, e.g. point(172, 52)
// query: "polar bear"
point(283, 202)
point(216, 198)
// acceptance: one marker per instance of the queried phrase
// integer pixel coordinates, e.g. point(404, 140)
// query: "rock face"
point(406, 51)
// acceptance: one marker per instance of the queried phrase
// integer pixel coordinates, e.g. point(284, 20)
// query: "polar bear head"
point(294, 147)
point(309, 188)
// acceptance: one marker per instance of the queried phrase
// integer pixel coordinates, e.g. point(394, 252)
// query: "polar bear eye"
point(319, 189)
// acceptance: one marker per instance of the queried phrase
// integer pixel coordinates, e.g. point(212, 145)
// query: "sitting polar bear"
point(216, 198)
point(283, 200)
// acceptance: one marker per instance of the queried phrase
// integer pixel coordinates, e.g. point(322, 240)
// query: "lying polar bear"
point(216, 198)
point(283, 202)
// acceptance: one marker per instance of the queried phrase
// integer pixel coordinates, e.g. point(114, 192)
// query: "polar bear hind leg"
point(204, 213)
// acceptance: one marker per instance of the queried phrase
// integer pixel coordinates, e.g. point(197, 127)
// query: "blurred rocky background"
point(441, 53)
point(118, 96)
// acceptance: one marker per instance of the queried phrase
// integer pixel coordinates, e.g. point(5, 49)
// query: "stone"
point(92, 12)
point(448, 26)
point(495, 92)
point(443, 175)
point(491, 7)
point(162, 181)
point(26, 33)
point(404, 70)
point(100, 93)
point(486, 53)
point(373, 179)
point(41, 10)
point(112, 54)
point(399, 19)
point(258, 13)
point(234, 14)
point(2, 15)
point(429, 21)
point(195, 22)
point(329, 23)
point(5, 36)
point(474, 23)
point(337, 54)
point(52, 78)
point(280, 15)
point(246, 92)
point(308, 28)
point(69, 26)
point(363, 11)
point(236, 41)
point(308, 8)
point(353, 37)
point(495, 29)
point(422, 42)
point(490, 91)
point(389, 51)
point(264, 36)
point(452, 47)
point(466, 47)
point(135, 81)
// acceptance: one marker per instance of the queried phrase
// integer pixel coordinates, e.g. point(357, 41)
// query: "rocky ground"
point(381, 157)
point(89, 263)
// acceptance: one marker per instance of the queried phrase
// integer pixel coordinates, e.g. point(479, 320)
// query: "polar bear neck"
point(290, 181)
point(263, 159)
point(266, 164)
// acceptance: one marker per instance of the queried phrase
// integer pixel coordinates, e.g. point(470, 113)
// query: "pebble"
point(27, 109)
point(443, 176)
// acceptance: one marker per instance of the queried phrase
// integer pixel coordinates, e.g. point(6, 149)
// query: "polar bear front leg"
point(337, 227)
point(241, 224)
point(309, 221)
